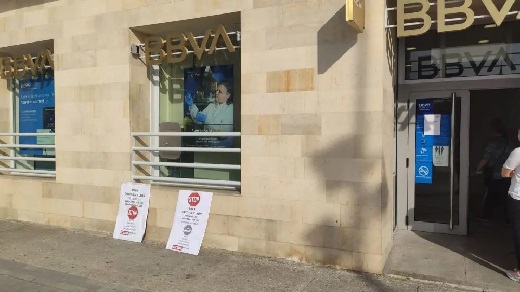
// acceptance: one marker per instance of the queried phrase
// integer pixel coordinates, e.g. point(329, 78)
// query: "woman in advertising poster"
point(217, 116)
point(209, 104)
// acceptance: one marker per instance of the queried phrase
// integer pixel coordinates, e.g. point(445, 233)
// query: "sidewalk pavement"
point(43, 258)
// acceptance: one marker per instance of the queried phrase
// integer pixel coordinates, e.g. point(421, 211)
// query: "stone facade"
point(317, 104)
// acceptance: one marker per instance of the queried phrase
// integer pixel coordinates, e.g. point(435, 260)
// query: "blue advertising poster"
point(36, 110)
point(445, 126)
point(437, 136)
point(424, 153)
point(422, 140)
point(423, 172)
point(208, 104)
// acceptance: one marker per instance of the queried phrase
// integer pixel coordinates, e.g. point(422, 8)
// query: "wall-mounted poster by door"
point(208, 106)
point(36, 112)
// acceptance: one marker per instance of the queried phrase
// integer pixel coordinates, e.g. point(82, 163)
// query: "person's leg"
point(490, 200)
point(514, 215)
point(504, 195)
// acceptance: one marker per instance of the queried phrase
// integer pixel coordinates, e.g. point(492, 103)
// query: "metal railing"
point(153, 161)
point(13, 155)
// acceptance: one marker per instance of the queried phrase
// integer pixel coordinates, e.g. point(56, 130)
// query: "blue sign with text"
point(424, 153)
point(36, 110)
point(423, 172)
point(445, 126)
point(424, 106)
point(422, 140)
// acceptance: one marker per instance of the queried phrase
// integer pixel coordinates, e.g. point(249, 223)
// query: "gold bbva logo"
point(173, 48)
point(498, 15)
point(19, 66)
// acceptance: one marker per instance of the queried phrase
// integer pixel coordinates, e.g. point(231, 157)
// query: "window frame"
point(154, 77)
point(26, 167)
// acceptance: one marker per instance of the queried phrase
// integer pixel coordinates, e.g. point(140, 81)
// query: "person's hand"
point(201, 118)
point(188, 99)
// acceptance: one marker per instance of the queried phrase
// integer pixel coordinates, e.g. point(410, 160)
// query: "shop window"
point(200, 94)
point(32, 125)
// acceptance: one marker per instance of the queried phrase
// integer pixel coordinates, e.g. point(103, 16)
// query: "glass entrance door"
point(438, 161)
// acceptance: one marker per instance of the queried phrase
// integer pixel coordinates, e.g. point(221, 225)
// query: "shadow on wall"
point(8, 5)
point(330, 237)
point(391, 55)
point(4, 164)
point(391, 43)
point(5, 127)
point(335, 38)
point(349, 161)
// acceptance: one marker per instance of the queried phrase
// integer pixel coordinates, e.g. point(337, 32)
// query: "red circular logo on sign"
point(132, 212)
point(194, 199)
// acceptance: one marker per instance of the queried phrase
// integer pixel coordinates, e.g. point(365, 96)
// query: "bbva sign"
point(18, 66)
point(159, 50)
point(496, 60)
point(497, 14)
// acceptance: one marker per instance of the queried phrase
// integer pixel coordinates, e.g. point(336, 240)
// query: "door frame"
point(401, 120)
point(462, 180)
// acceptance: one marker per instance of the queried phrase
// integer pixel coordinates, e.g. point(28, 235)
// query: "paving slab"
point(23, 277)
point(43, 258)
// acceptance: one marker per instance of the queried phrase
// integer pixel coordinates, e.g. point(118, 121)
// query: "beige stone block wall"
point(316, 114)
point(389, 138)
point(316, 88)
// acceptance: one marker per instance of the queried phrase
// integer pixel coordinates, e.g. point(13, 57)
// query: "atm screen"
point(48, 118)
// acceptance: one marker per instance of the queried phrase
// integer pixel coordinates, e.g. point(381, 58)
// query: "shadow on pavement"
point(476, 260)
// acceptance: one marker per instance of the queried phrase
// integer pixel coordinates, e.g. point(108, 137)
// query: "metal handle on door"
point(453, 96)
